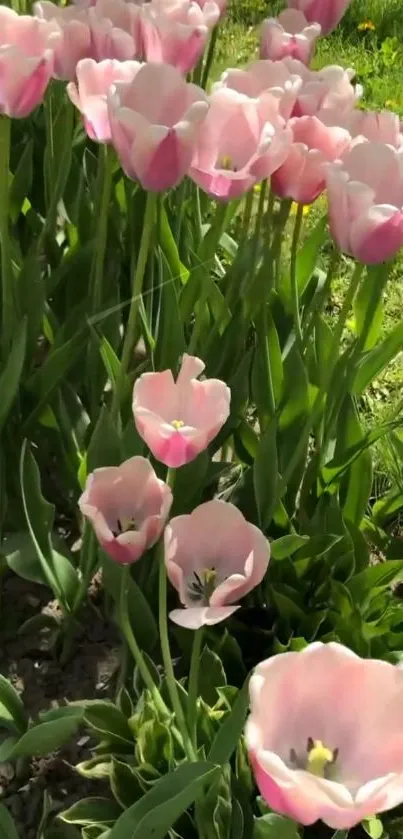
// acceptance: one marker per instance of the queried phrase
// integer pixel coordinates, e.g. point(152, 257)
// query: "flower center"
point(201, 585)
point(123, 525)
point(318, 760)
point(227, 164)
point(177, 424)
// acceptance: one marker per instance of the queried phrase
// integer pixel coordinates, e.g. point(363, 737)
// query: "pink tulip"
point(327, 93)
point(75, 40)
point(288, 35)
point(109, 40)
point(378, 127)
point(303, 175)
point(128, 507)
point(326, 12)
point(213, 558)
point(325, 735)
point(242, 141)
point(179, 419)
point(270, 77)
point(89, 94)
point(155, 120)
point(222, 4)
point(176, 31)
point(26, 61)
point(365, 195)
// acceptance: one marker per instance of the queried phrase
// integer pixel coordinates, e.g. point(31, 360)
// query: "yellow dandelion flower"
point(391, 103)
point(294, 208)
point(366, 26)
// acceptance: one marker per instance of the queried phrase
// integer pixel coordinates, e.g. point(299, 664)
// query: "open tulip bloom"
point(127, 506)
point(288, 35)
point(325, 735)
point(213, 558)
point(326, 12)
point(179, 419)
point(273, 78)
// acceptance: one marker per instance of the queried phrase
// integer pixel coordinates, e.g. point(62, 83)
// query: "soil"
point(29, 661)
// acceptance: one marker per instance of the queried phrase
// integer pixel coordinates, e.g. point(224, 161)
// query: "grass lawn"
point(376, 54)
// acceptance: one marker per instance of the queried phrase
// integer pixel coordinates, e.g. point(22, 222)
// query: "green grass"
point(377, 57)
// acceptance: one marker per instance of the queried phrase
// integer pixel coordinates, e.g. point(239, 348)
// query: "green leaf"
point(104, 448)
point(8, 829)
point(308, 254)
point(287, 545)
point(295, 397)
point(141, 616)
point(377, 359)
point(373, 827)
point(11, 373)
point(230, 731)
point(101, 811)
point(375, 576)
point(11, 700)
point(356, 484)
point(55, 370)
point(22, 180)
point(22, 558)
point(170, 250)
point(39, 515)
point(170, 339)
point(211, 676)
point(106, 719)
point(272, 826)
point(46, 737)
point(265, 481)
point(368, 305)
point(159, 809)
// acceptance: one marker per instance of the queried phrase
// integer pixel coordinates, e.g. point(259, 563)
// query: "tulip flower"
point(222, 4)
point(26, 61)
point(241, 142)
point(176, 31)
point(326, 12)
point(155, 120)
point(378, 127)
point(270, 77)
point(327, 93)
point(288, 35)
point(75, 40)
point(213, 558)
point(179, 419)
point(128, 507)
point(89, 94)
point(303, 175)
point(324, 735)
point(109, 40)
point(365, 195)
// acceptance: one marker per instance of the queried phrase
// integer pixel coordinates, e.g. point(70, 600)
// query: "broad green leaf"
point(170, 339)
point(370, 578)
point(373, 827)
point(104, 448)
point(141, 616)
point(106, 719)
point(287, 545)
point(356, 484)
point(14, 705)
point(55, 369)
point(377, 359)
point(8, 829)
point(230, 731)
point(265, 481)
point(45, 737)
point(160, 808)
point(388, 505)
point(92, 811)
point(22, 180)
point(11, 374)
point(368, 305)
point(22, 558)
point(308, 254)
point(272, 826)
point(211, 676)
point(170, 250)
point(295, 396)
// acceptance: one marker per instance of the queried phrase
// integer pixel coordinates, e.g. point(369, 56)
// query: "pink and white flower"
point(289, 34)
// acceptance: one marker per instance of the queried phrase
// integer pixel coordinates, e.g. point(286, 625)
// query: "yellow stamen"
point(319, 756)
point(226, 162)
point(366, 25)
point(177, 424)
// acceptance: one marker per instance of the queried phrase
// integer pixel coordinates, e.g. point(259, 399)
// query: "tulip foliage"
point(181, 413)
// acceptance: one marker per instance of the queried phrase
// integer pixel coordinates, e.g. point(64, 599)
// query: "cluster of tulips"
point(126, 64)
point(325, 730)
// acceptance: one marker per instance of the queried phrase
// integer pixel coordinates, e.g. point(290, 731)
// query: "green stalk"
point(293, 275)
point(193, 684)
point(7, 283)
point(333, 355)
point(130, 336)
point(126, 628)
point(316, 304)
point(209, 57)
point(167, 659)
point(261, 332)
point(105, 171)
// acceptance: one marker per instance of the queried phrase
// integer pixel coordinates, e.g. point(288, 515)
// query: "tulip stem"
point(293, 275)
point(129, 340)
point(209, 58)
point(193, 684)
point(167, 658)
point(126, 628)
point(105, 171)
point(314, 309)
point(170, 477)
point(7, 289)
